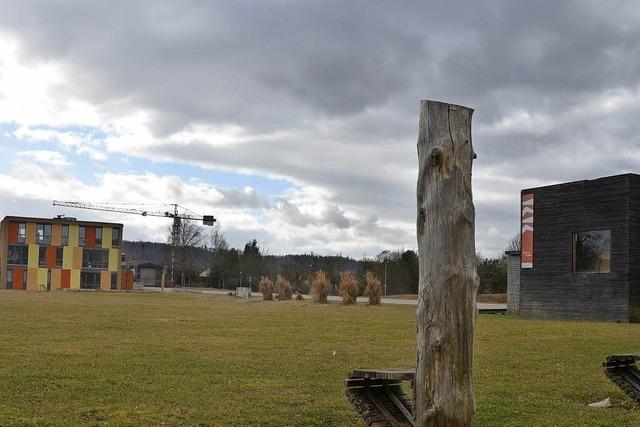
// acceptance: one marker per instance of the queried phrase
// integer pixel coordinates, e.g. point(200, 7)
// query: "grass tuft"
point(348, 288)
point(320, 287)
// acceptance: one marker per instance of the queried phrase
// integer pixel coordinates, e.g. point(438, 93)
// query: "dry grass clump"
point(320, 288)
point(348, 287)
point(266, 287)
point(299, 296)
point(285, 292)
point(373, 289)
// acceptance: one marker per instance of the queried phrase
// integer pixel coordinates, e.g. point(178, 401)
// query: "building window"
point(43, 234)
point(18, 255)
point(42, 256)
point(9, 279)
point(114, 280)
point(115, 237)
point(592, 251)
point(65, 235)
point(59, 256)
point(98, 236)
point(89, 280)
point(82, 238)
point(95, 258)
point(22, 232)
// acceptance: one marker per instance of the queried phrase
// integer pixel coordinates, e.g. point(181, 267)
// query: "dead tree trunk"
point(448, 279)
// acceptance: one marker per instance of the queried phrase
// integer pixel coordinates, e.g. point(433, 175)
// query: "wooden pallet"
point(379, 397)
point(622, 370)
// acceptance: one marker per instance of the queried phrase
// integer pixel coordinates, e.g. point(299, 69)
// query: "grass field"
point(149, 359)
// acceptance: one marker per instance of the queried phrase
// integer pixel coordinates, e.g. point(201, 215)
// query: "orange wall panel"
point(56, 235)
point(90, 237)
point(30, 238)
point(105, 280)
point(65, 279)
point(18, 277)
point(50, 253)
point(126, 280)
point(76, 262)
point(56, 276)
point(13, 232)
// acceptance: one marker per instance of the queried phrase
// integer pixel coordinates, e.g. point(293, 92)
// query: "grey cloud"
point(343, 80)
point(242, 198)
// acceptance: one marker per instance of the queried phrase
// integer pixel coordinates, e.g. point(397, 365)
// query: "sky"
point(295, 122)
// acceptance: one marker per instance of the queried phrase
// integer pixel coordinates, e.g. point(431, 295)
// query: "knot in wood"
point(435, 156)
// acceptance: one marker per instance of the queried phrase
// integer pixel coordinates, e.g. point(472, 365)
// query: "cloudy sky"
point(295, 122)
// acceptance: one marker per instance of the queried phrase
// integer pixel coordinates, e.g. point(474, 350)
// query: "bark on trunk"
point(448, 279)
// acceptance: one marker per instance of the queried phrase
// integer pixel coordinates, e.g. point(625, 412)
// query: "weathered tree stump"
point(444, 394)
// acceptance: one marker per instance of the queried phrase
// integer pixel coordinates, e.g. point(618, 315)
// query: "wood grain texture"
point(448, 279)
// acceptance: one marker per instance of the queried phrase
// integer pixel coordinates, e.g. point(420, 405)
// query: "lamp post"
point(385, 277)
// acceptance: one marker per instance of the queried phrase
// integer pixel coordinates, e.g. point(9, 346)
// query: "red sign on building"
point(526, 236)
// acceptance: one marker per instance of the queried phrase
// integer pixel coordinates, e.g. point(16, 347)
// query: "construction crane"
point(177, 217)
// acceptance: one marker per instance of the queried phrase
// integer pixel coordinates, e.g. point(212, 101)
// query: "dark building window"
point(95, 258)
point(115, 237)
point(18, 254)
point(22, 232)
point(89, 280)
point(592, 251)
point(65, 235)
point(43, 234)
point(82, 238)
point(59, 256)
point(98, 236)
point(114, 280)
point(42, 256)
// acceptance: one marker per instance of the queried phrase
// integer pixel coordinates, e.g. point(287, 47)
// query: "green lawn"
point(132, 359)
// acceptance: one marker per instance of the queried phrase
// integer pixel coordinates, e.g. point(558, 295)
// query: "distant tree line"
point(227, 267)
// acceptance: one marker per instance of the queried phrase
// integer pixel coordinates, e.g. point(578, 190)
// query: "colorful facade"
point(39, 254)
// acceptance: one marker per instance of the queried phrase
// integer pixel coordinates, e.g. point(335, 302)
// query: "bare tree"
point(191, 236)
point(513, 244)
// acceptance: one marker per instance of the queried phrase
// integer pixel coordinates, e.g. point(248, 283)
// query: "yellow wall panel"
point(105, 280)
point(74, 232)
point(106, 237)
point(42, 279)
point(67, 257)
point(32, 279)
point(34, 254)
point(56, 235)
point(56, 278)
point(30, 238)
point(113, 260)
point(77, 258)
point(75, 279)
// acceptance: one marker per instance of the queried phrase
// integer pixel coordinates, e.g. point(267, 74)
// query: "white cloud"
point(48, 157)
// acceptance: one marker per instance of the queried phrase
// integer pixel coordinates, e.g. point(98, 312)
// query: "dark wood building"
point(581, 250)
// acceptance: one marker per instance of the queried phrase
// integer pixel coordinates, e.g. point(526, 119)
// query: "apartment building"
point(42, 254)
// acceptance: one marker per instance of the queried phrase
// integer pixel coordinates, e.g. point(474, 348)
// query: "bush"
point(373, 289)
point(266, 287)
point(299, 297)
point(284, 288)
point(348, 288)
point(320, 288)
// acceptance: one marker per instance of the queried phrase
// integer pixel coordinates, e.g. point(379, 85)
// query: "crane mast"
point(174, 214)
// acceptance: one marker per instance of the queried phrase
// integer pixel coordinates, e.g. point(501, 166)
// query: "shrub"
point(299, 297)
point(266, 287)
point(284, 288)
point(348, 288)
point(373, 289)
point(320, 288)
